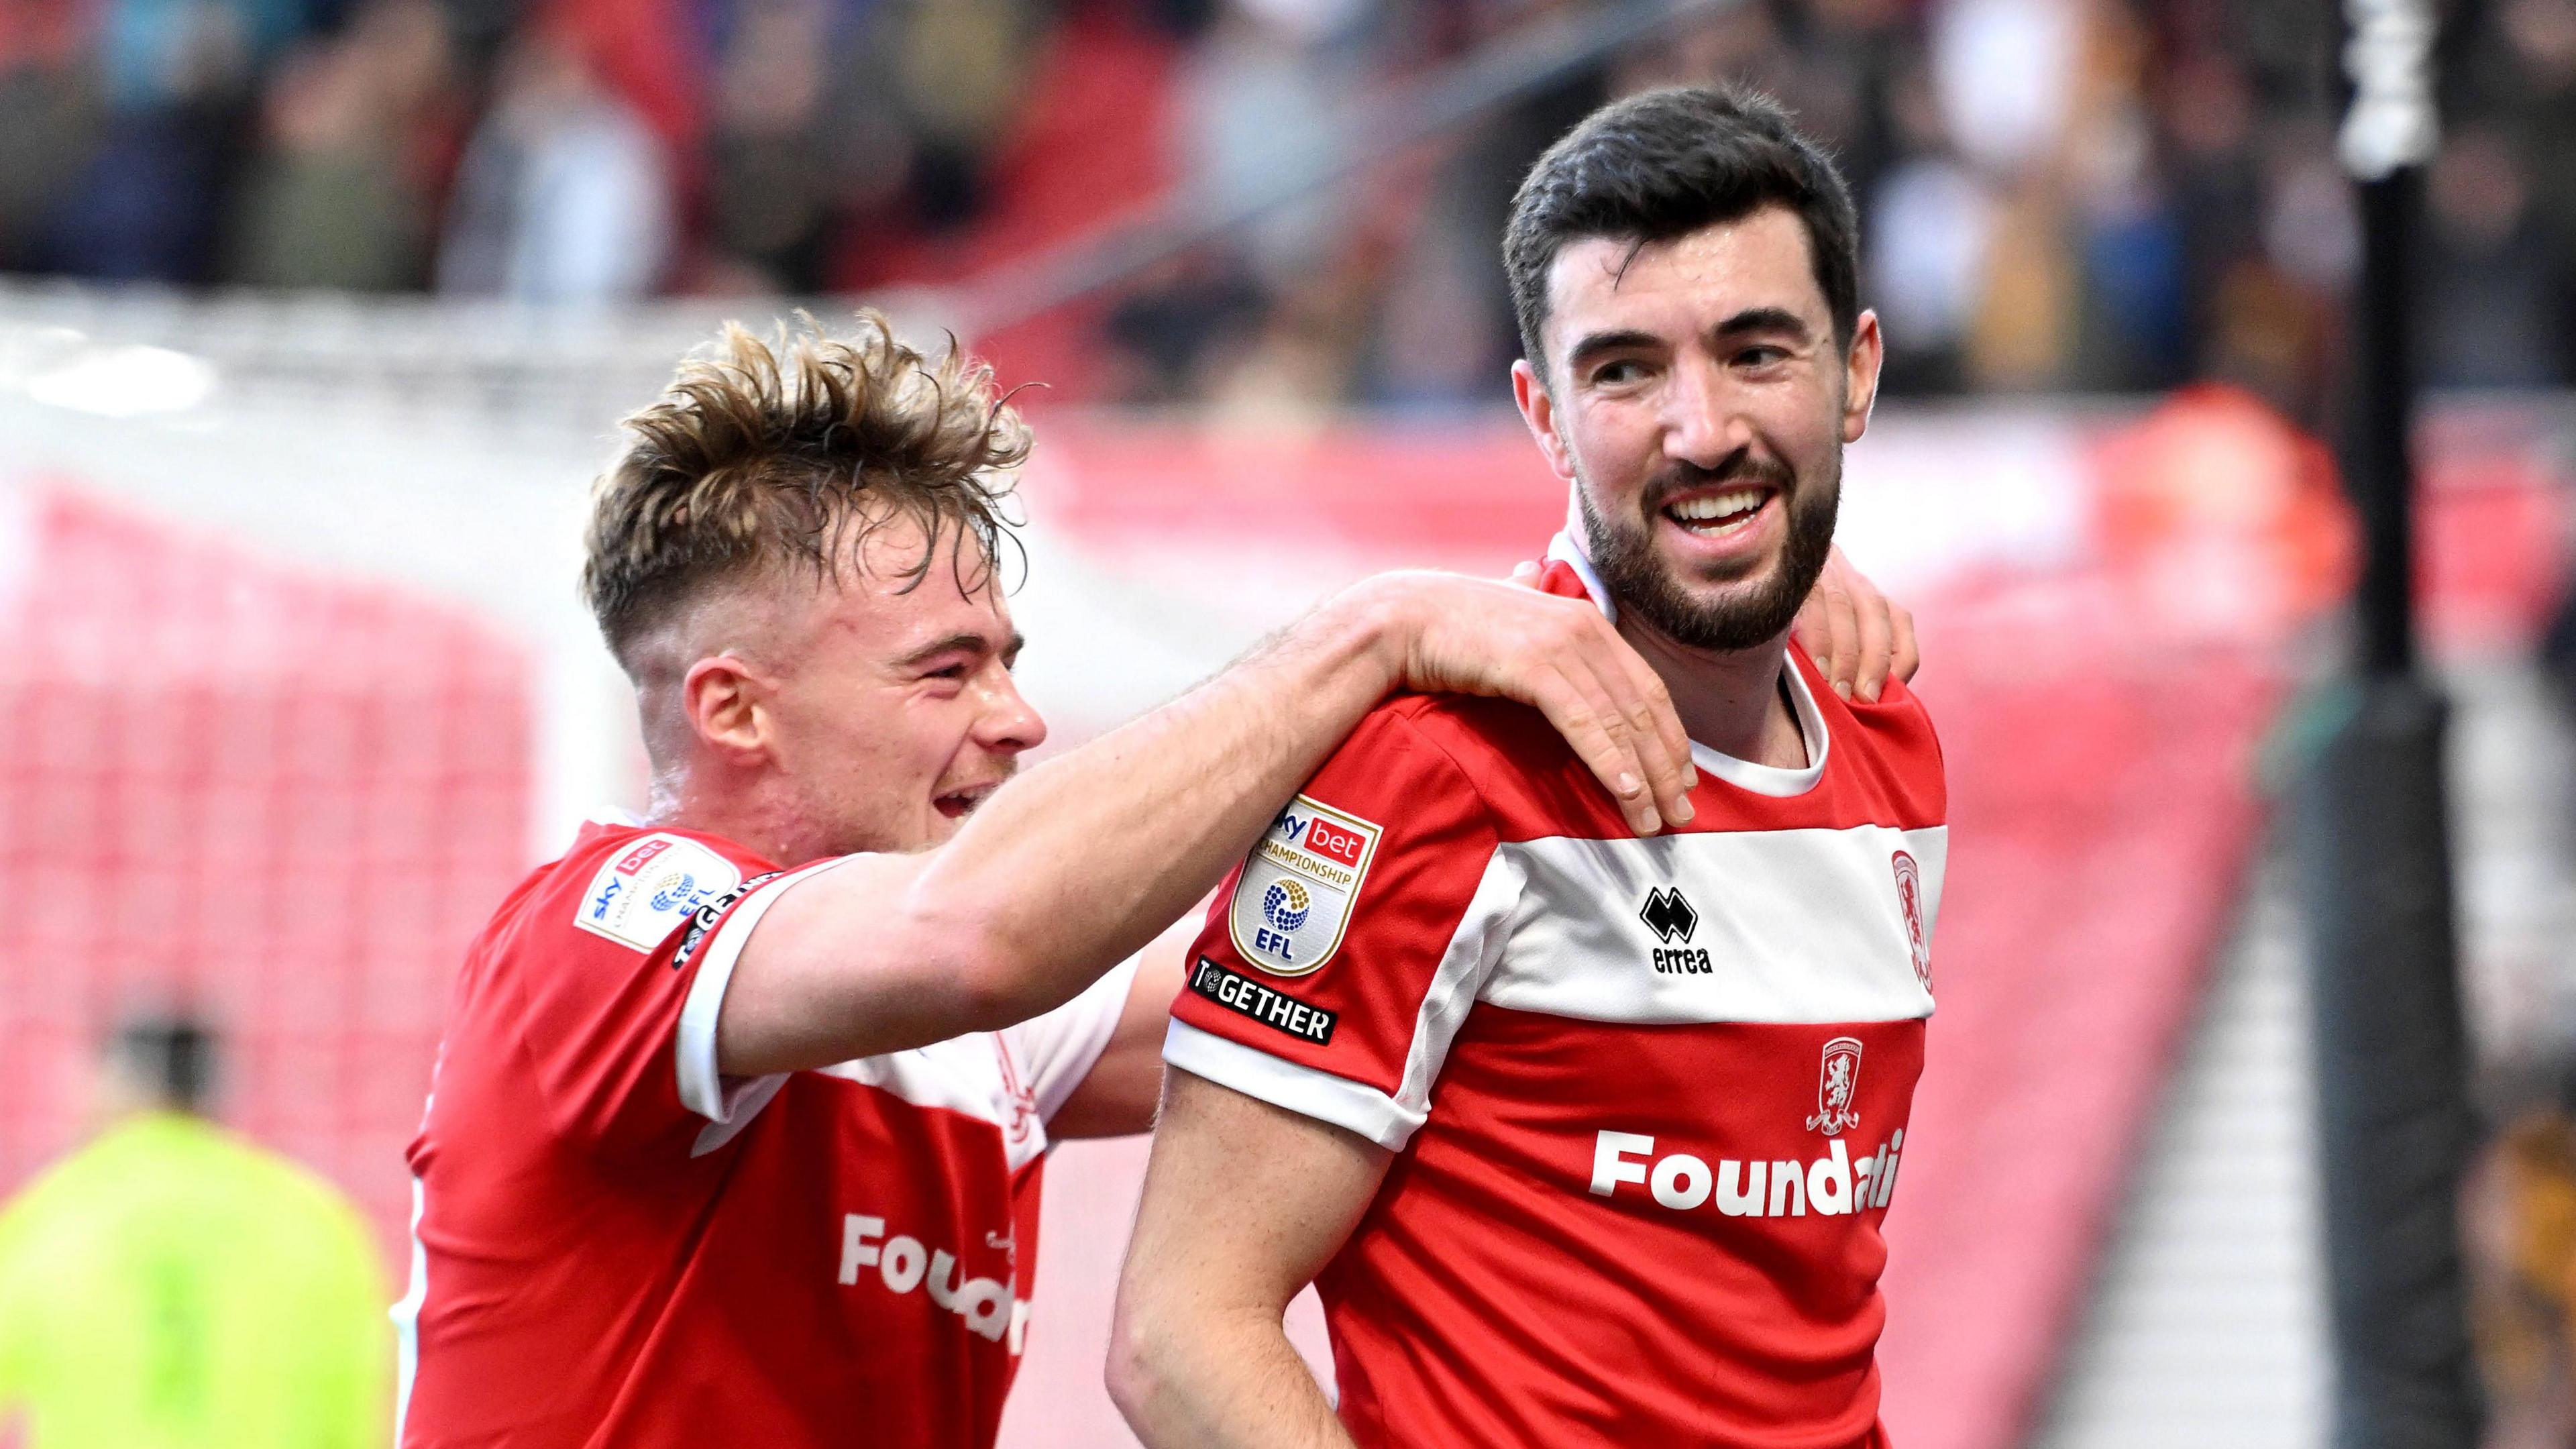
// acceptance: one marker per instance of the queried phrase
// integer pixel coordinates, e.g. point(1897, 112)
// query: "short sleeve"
point(619, 967)
point(1339, 962)
point(707, 948)
point(1054, 1052)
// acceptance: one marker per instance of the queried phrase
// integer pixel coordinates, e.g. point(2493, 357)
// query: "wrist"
point(1368, 628)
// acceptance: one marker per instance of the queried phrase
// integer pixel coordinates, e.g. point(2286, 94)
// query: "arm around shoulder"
point(1024, 907)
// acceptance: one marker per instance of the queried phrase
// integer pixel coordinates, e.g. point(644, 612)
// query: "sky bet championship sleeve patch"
point(646, 890)
point(1294, 899)
point(1244, 996)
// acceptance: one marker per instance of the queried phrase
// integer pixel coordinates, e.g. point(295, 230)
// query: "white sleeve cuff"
point(1300, 1089)
point(726, 1104)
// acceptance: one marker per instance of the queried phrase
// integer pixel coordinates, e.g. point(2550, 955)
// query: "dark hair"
point(171, 1057)
point(1665, 163)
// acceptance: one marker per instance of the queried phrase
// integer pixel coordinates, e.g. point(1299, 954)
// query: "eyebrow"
point(1597, 343)
point(1750, 320)
point(1764, 319)
point(967, 640)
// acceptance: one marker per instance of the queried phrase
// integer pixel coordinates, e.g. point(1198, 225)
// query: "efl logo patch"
point(1294, 899)
point(640, 897)
point(1244, 996)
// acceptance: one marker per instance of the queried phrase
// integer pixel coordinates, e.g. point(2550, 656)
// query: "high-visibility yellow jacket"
point(171, 1286)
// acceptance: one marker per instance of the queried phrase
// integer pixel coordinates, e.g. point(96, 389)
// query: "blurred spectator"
point(1447, 335)
point(171, 1286)
point(2492, 312)
point(48, 117)
point(2519, 1218)
point(2151, 199)
point(772, 171)
point(963, 64)
point(838, 116)
point(563, 195)
point(175, 76)
point(2007, 129)
point(334, 199)
point(1931, 222)
point(2530, 72)
point(1267, 97)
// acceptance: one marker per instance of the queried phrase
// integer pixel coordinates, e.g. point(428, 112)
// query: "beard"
point(1639, 578)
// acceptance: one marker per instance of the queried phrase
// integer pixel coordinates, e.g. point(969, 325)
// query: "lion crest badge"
point(1909, 900)
point(1837, 1085)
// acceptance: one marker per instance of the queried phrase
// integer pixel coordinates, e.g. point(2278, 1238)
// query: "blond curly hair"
point(783, 455)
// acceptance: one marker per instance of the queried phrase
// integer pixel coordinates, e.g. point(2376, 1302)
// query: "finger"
point(1667, 778)
point(1905, 652)
point(1526, 572)
point(1872, 641)
point(1652, 764)
point(1589, 722)
point(1845, 629)
point(1652, 716)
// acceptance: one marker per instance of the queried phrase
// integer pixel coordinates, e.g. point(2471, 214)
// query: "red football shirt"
point(1647, 1097)
point(615, 1246)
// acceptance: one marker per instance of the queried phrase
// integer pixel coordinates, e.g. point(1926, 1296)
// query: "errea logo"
point(1669, 914)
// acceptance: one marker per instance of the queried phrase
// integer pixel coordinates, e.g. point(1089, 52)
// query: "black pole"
point(2377, 454)
point(2373, 838)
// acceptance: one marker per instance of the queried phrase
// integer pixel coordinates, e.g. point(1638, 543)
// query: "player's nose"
point(1008, 724)
point(1702, 424)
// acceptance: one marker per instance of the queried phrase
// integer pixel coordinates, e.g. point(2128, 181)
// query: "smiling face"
point(1698, 399)
point(901, 715)
point(879, 711)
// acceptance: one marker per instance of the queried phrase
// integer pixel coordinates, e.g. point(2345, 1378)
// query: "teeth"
point(1717, 505)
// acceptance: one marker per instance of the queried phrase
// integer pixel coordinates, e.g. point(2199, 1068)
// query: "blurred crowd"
point(591, 150)
point(2061, 194)
point(2057, 194)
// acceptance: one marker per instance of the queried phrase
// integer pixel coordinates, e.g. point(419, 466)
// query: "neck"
point(1729, 700)
point(754, 813)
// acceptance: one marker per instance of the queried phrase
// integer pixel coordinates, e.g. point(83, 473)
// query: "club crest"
point(1837, 1085)
point(1293, 901)
point(1909, 900)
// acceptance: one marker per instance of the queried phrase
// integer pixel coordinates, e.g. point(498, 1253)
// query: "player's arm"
point(1117, 1096)
point(1244, 1204)
point(1078, 863)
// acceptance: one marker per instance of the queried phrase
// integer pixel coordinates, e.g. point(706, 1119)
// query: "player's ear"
point(723, 699)
point(1860, 375)
point(1538, 410)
